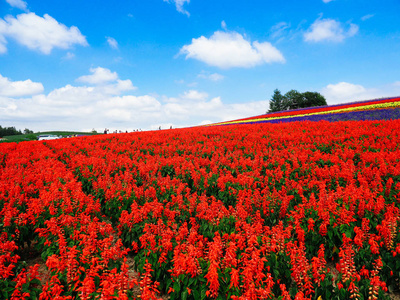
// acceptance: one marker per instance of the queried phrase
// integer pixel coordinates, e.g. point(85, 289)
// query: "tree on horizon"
point(294, 100)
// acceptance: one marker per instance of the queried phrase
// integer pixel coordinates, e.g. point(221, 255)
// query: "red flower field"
point(301, 210)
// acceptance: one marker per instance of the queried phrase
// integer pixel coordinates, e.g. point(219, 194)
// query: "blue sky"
point(78, 65)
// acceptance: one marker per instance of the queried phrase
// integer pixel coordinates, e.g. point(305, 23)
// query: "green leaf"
point(276, 273)
point(191, 281)
point(158, 272)
point(185, 295)
point(328, 294)
point(203, 292)
point(177, 287)
point(196, 294)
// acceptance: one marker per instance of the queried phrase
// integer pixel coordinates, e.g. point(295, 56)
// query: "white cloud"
point(279, 29)
point(343, 92)
point(230, 49)
point(77, 107)
point(99, 76)
point(192, 107)
point(329, 30)
point(223, 25)
point(205, 122)
point(107, 82)
point(69, 56)
point(146, 102)
point(327, 1)
point(17, 3)
point(10, 88)
point(120, 86)
point(194, 95)
point(82, 107)
point(366, 17)
point(37, 33)
point(179, 5)
point(112, 42)
point(212, 77)
point(216, 77)
point(246, 109)
point(3, 41)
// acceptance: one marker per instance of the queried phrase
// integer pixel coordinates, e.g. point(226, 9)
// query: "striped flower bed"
point(378, 109)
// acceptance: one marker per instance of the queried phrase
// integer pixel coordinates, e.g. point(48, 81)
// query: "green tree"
point(294, 99)
point(5, 131)
point(314, 99)
point(27, 131)
point(276, 102)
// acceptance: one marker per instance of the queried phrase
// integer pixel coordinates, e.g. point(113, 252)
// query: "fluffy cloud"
point(329, 30)
point(17, 3)
point(327, 1)
point(37, 33)
point(112, 42)
point(230, 49)
point(144, 103)
point(99, 76)
point(107, 82)
point(109, 105)
point(10, 88)
point(343, 92)
point(179, 5)
point(247, 109)
point(194, 95)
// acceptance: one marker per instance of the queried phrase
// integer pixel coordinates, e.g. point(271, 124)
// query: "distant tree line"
point(293, 100)
point(6, 131)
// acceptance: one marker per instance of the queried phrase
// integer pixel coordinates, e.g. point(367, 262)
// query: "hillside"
point(299, 210)
point(34, 136)
point(376, 109)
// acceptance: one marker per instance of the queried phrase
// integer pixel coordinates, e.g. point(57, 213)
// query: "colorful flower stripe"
point(393, 103)
point(323, 108)
point(371, 115)
point(381, 114)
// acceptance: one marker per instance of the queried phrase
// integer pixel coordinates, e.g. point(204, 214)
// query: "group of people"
point(120, 131)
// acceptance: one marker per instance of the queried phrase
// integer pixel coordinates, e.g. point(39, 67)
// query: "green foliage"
point(9, 131)
point(27, 131)
point(294, 100)
point(33, 136)
point(313, 99)
point(275, 103)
